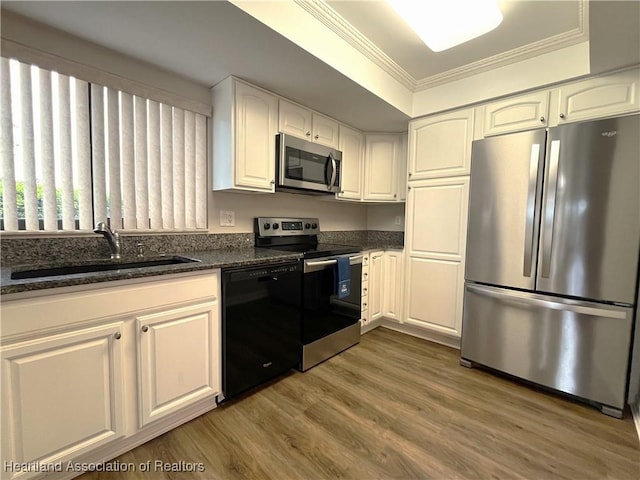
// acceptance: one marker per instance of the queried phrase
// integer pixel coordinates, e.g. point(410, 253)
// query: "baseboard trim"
point(373, 324)
point(446, 340)
point(635, 413)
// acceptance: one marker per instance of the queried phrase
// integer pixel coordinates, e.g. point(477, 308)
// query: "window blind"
point(74, 154)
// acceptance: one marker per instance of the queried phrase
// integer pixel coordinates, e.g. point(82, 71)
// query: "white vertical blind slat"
point(87, 153)
point(155, 184)
point(64, 152)
point(142, 186)
point(6, 143)
point(113, 153)
point(98, 154)
point(50, 208)
point(127, 150)
point(190, 169)
point(82, 153)
point(178, 168)
point(201, 171)
point(27, 149)
point(166, 160)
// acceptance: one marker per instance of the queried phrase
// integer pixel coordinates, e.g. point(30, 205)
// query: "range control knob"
point(307, 225)
point(267, 226)
point(314, 225)
point(275, 226)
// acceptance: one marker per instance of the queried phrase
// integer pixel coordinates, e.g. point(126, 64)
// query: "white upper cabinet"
point(244, 126)
point(381, 167)
point(518, 113)
point(402, 168)
point(352, 148)
point(304, 123)
point(598, 97)
point(440, 146)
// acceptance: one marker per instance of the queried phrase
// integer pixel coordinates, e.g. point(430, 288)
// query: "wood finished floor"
point(396, 406)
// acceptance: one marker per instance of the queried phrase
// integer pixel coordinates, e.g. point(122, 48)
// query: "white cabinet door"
point(402, 168)
point(440, 146)
point(392, 285)
point(352, 148)
point(435, 295)
point(376, 285)
point(294, 120)
point(436, 240)
point(302, 122)
point(62, 395)
point(599, 97)
point(381, 167)
point(255, 138)
point(179, 359)
point(518, 113)
point(325, 131)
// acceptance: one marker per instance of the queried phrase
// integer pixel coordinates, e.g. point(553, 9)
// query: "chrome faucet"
point(112, 237)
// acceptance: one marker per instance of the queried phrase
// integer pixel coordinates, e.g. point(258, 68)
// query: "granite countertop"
point(381, 246)
point(208, 259)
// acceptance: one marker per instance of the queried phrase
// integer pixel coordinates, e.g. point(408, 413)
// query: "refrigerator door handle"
point(574, 306)
point(531, 207)
point(550, 208)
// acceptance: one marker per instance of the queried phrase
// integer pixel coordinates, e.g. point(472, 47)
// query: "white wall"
point(333, 215)
point(383, 217)
point(40, 37)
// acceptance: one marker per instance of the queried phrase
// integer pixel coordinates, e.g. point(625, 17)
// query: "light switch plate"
point(398, 220)
point(227, 218)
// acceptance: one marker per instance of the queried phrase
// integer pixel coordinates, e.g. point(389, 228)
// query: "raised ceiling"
point(525, 23)
point(207, 41)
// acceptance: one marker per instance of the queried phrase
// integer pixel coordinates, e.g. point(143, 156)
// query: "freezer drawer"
point(581, 348)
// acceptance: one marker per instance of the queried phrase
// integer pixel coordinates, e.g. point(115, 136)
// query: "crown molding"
point(555, 42)
point(322, 12)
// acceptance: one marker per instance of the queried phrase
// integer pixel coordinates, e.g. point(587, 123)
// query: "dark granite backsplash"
point(15, 251)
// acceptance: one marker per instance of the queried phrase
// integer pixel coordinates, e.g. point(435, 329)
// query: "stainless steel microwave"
point(307, 167)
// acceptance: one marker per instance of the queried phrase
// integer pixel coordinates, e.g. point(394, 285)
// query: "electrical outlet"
point(398, 220)
point(227, 218)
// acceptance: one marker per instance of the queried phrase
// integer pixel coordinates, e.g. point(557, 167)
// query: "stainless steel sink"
point(97, 267)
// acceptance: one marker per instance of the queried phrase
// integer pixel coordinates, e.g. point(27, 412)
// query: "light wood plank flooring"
point(397, 407)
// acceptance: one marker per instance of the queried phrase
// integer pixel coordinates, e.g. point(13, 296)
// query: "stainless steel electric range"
point(329, 324)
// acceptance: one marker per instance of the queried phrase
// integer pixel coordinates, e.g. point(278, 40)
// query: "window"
point(75, 153)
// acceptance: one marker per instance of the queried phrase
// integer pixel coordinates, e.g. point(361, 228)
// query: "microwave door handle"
point(334, 171)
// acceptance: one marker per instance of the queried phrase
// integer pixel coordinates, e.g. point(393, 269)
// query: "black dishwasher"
point(261, 324)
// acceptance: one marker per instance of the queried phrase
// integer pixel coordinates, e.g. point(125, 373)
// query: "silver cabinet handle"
point(550, 207)
point(308, 134)
point(531, 206)
point(272, 182)
point(317, 137)
point(395, 196)
point(117, 336)
point(145, 329)
point(542, 119)
point(562, 115)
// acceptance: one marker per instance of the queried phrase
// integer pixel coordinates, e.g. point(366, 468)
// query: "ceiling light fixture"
point(443, 24)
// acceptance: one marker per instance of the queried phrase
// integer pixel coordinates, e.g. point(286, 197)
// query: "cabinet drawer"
point(365, 305)
point(365, 288)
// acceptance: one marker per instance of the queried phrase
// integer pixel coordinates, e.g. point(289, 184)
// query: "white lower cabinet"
point(177, 359)
point(85, 371)
point(392, 285)
point(376, 271)
point(62, 395)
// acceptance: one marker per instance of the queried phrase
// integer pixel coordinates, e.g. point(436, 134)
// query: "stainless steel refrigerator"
point(553, 240)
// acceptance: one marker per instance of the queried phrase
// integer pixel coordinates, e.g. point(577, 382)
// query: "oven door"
point(323, 312)
point(307, 166)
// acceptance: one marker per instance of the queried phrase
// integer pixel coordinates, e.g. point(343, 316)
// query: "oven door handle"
point(315, 265)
